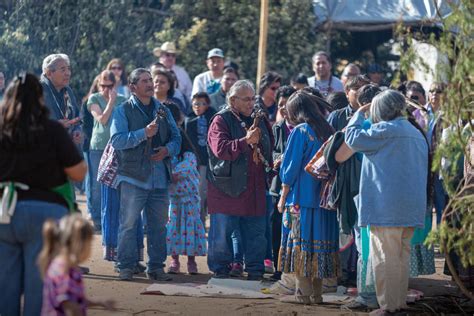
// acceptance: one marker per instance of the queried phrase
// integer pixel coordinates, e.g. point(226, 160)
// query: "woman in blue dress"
point(312, 245)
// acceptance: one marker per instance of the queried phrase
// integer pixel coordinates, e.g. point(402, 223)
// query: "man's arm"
point(221, 143)
point(121, 137)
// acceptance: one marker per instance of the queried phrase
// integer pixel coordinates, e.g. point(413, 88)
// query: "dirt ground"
point(102, 283)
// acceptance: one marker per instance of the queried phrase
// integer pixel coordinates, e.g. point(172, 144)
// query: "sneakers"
point(220, 275)
point(236, 270)
point(192, 267)
point(269, 266)
point(126, 275)
point(139, 268)
point(158, 276)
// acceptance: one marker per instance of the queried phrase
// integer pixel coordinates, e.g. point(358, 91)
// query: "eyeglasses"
point(436, 91)
point(116, 68)
point(169, 55)
point(200, 104)
point(246, 99)
point(103, 86)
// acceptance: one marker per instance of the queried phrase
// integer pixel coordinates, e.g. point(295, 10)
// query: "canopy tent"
point(374, 15)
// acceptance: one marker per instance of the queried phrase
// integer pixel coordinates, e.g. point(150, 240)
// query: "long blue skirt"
point(110, 207)
point(312, 243)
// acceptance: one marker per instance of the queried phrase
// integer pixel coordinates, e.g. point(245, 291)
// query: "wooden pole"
point(262, 42)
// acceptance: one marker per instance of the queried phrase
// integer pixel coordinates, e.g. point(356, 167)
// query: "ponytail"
point(50, 245)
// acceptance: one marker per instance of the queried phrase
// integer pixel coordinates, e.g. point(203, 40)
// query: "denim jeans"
point(268, 227)
point(93, 204)
point(155, 205)
point(87, 181)
point(20, 243)
point(220, 253)
point(237, 246)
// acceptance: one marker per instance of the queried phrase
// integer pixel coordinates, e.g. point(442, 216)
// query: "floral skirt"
point(310, 242)
point(110, 207)
point(185, 232)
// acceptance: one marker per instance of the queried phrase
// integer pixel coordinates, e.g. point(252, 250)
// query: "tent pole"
point(262, 42)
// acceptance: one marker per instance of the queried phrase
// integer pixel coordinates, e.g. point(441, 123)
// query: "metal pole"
point(262, 42)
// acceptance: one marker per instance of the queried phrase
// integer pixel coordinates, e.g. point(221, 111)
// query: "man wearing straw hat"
point(167, 55)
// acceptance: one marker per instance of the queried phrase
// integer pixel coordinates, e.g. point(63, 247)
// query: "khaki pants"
point(390, 252)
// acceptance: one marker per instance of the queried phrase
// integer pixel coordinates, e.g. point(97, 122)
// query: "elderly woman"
point(393, 196)
point(312, 244)
point(37, 156)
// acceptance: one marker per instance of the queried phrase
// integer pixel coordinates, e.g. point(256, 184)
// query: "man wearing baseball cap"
point(167, 55)
point(209, 81)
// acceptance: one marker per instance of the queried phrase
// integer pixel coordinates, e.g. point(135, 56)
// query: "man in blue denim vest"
point(145, 136)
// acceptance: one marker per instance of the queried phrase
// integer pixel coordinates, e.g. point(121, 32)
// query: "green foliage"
point(90, 32)
point(457, 231)
point(234, 27)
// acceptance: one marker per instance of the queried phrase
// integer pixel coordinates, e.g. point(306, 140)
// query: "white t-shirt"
point(323, 85)
point(204, 81)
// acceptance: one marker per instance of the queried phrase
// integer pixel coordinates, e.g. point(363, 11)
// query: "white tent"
point(373, 15)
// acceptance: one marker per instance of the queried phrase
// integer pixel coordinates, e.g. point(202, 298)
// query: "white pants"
point(390, 255)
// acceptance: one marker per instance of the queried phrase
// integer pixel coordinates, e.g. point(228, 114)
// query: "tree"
point(90, 34)
point(233, 26)
point(456, 233)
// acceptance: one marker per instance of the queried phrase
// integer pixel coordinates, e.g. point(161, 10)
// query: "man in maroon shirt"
point(237, 182)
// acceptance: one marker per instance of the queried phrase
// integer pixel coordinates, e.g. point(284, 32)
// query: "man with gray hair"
point(323, 80)
point(58, 95)
point(236, 177)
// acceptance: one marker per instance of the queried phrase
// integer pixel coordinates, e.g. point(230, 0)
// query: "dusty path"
point(102, 283)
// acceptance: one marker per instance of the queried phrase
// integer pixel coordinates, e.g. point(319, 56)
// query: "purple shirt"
point(61, 285)
point(251, 202)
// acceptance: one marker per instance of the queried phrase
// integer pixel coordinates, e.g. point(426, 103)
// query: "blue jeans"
point(155, 205)
point(237, 246)
point(220, 253)
point(93, 203)
point(268, 227)
point(20, 243)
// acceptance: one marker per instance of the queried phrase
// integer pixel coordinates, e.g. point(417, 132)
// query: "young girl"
point(66, 245)
point(185, 231)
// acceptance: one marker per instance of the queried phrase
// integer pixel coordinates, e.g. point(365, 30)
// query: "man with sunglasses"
point(58, 95)
point(167, 55)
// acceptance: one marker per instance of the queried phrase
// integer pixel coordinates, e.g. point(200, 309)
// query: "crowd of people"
point(321, 182)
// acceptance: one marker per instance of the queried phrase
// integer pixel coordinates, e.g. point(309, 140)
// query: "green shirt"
point(101, 133)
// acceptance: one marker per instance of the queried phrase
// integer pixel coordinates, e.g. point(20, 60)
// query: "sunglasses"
point(200, 104)
point(274, 88)
point(169, 55)
point(103, 86)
